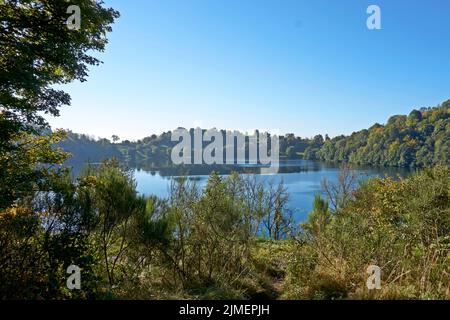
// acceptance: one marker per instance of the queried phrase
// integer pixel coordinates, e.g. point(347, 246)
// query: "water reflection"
point(302, 179)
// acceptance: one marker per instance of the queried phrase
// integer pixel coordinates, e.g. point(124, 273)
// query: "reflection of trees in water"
point(192, 170)
point(285, 167)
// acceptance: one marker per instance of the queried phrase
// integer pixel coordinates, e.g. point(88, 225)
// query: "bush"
point(402, 226)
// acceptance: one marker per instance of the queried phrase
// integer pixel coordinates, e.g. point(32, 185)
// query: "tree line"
point(420, 139)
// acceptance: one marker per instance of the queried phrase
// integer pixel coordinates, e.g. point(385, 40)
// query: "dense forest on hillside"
point(421, 139)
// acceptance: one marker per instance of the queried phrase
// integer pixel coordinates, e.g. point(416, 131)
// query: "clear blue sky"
point(305, 67)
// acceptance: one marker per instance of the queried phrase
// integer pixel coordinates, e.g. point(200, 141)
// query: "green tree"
point(39, 52)
point(115, 202)
point(414, 117)
point(405, 141)
point(41, 236)
point(319, 218)
point(401, 225)
point(28, 167)
point(290, 152)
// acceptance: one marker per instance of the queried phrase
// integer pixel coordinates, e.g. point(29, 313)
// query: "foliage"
point(43, 223)
point(40, 237)
point(197, 242)
point(29, 166)
point(113, 201)
point(420, 139)
point(233, 239)
point(402, 226)
point(214, 232)
point(204, 243)
point(38, 53)
point(154, 152)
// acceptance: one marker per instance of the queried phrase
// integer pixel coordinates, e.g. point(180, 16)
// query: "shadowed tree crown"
point(38, 52)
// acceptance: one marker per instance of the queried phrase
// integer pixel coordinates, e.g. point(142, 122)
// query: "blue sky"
point(305, 67)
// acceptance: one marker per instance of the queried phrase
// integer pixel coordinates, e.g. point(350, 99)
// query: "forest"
point(418, 140)
point(235, 238)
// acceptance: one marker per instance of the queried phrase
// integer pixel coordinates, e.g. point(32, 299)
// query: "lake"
point(302, 178)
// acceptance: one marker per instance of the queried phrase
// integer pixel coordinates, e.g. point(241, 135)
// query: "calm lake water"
point(302, 179)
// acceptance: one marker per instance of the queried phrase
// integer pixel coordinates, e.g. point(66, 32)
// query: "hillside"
point(420, 139)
